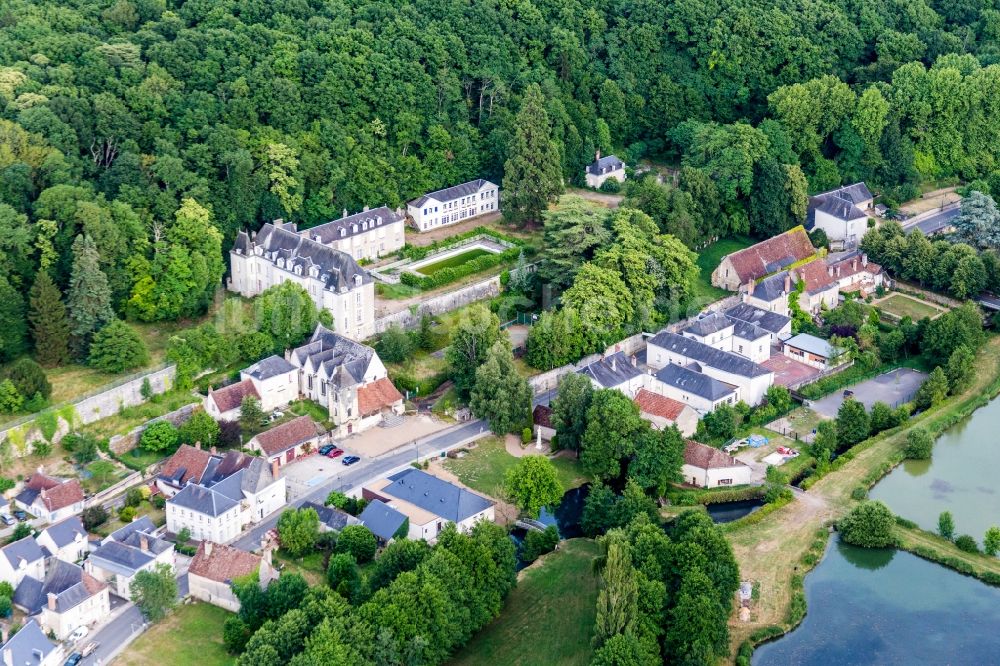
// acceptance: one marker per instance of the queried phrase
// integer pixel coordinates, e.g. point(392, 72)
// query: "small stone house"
point(664, 412)
point(331, 519)
point(275, 380)
point(215, 567)
point(224, 404)
point(65, 540)
point(604, 168)
point(763, 259)
point(68, 597)
point(49, 498)
point(708, 467)
point(284, 443)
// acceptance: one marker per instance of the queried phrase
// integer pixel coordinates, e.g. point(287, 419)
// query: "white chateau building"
point(454, 204)
point(277, 254)
point(369, 234)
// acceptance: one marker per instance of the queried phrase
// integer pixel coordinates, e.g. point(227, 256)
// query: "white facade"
point(698, 402)
point(71, 552)
point(603, 168)
point(121, 582)
point(220, 528)
point(430, 529)
point(716, 476)
point(276, 382)
point(370, 234)
point(454, 204)
point(94, 609)
point(213, 592)
point(751, 388)
point(14, 572)
point(332, 278)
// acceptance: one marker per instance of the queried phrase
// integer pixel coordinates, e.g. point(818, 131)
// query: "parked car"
point(89, 648)
point(78, 634)
point(7, 519)
point(74, 659)
point(350, 460)
point(325, 450)
point(21, 516)
point(334, 453)
point(848, 393)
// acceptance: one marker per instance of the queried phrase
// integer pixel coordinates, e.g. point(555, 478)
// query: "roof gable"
point(707, 355)
point(707, 457)
point(223, 564)
point(285, 436)
point(381, 519)
point(231, 397)
point(452, 193)
point(377, 395)
point(659, 405)
point(435, 495)
point(771, 255)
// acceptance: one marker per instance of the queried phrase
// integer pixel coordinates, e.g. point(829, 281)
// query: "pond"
point(960, 477)
point(727, 512)
point(566, 518)
point(884, 606)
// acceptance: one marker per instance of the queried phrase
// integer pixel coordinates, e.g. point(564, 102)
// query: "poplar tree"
point(89, 298)
point(49, 324)
point(532, 174)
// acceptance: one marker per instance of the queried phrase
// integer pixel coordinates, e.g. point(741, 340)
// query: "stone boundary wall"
point(452, 300)
point(23, 432)
point(122, 444)
point(548, 381)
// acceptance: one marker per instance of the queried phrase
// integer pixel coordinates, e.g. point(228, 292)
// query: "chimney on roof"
point(8, 654)
point(280, 221)
point(854, 264)
point(838, 268)
point(52, 600)
point(614, 364)
point(197, 445)
point(345, 212)
point(144, 543)
point(788, 283)
point(597, 155)
point(635, 361)
point(750, 286)
point(208, 548)
point(829, 271)
point(212, 450)
point(274, 468)
point(41, 469)
point(365, 209)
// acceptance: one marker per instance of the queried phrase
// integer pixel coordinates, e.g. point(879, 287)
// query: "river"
point(889, 607)
point(960, 477)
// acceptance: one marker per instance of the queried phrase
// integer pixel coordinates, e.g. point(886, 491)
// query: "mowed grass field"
point(708, 261)
point(548, 618)
point(484, 467)
point(192, 634)
point(452, 261)
point(902, 305)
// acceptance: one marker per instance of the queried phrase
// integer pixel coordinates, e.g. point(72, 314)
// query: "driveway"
point(893, 388)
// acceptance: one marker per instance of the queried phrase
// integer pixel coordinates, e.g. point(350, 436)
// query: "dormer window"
point(357, 280)
point(313, 271)
point(281, 263)
point(343, 232)
point(364, 226)
point(354, 228)
point(259, 251)
point(298, 270)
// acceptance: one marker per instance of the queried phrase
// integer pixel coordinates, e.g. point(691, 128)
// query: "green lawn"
point(396, 291)
point(130, 417)
point(708, 261)
point(309, 566)
point(484, 467)
point(548, 618)
point(192, 634)
point(902, 305)
point(452, 261)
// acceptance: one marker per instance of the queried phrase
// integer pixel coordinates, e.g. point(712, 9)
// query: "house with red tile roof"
point(224, 404)
point(284, 443)
point(819, 286)
point(854, 273)
point(50, 498)
point(216, 567)
point(664, 412)
point(708, 467)
point(763, 259)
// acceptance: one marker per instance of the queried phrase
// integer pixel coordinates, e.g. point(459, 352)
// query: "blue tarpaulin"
point(756, 441)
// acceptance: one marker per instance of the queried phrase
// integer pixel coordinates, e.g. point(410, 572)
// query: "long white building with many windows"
point(277, 254)
point(369, 234)
point(454, 204)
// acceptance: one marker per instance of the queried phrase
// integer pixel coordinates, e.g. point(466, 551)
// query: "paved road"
point(369, 469)
point(934, 223)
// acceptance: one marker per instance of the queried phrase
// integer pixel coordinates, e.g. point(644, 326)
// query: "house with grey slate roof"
point(276, 381)
point(615, 371)
point(21, 558)
point(429, 503)
point(126, 552)
point(778, 325)
point(603, 168)
point(702, 392)
point(842, 213)
point(331, 519)
point(744, 338)
point(278, 253)
point(382, 520)
point(68, 597)
point(65, 540)
point(369, 234)
point(751, 379)
point(454, 204)
point(30, 647)
point(346, 377)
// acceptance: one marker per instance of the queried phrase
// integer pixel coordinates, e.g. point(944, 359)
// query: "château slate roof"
point(272, 366)
point(452, 193)
point(334, 357)
point(612, 370)
point(605, 165)
point(693, 382)
point(710, 356)
point(352, 225)
point(772, 322)
point(709, 324)
point(841, 203)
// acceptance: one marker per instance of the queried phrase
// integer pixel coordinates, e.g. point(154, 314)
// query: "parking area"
point(378, 440)
point(893, 388)
point(303, 475)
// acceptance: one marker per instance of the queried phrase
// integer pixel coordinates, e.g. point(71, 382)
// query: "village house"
point(215, 567)
point(333, 279)
point(777, 324)
point(193, 464)
point(615, 371)
point(20, 559)
point(49, 498)
point(732, 335)
point(819, 288)
point(664, 412)
point(454, 204)
point(770, 294)
point(760, 260)
point(751, 378)
point(30, 647)
point(65, 540)
point(348, 379)
point(284, 443)
point(369, 234)
point(842, 214)
point(700, 391)
point(224, 404)
point(331, 519)
point(604, 168)
point(855, 274)
point(708, 467)
point(385, 522)
point(276, 381)
point(127, 551)
point(223, 504)
point(814, 352)
point(429, 503)
point(68, 597)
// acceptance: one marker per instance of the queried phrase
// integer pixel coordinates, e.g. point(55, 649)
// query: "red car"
point(334, 452)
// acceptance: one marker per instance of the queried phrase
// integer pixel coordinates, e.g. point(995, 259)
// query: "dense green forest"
point(157, 129)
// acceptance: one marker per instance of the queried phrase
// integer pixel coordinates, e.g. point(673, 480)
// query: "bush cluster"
point(452, 273)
